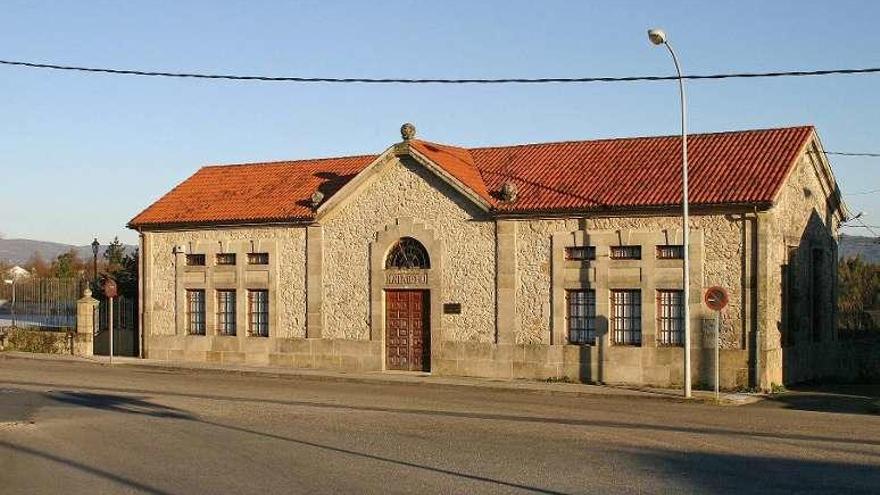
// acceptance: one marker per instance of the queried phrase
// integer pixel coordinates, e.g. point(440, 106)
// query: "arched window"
point(407, 253)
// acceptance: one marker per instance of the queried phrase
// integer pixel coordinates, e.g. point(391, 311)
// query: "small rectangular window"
point(258, 313)
point(670, 252)
point(580, 253)
point(626, 252)
point(195, 260)
point(226, 312)
point(195, 311)
point(258, 258)
point(626, 317)
point(581, 316)
point(225, 258)
point(670, 317)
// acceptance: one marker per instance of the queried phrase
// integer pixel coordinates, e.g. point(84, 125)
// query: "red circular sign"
point(716, 298)
point(110, 288)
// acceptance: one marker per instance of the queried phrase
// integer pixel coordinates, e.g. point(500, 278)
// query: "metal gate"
point(40, 303)
point(125, 327)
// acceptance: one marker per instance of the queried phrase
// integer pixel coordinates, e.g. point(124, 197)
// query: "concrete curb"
point(415, 379)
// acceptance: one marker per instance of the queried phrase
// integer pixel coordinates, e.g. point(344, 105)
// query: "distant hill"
point(19, 251)
point(867, 248)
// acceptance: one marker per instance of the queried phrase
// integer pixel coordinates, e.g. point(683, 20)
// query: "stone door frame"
point(406, 227)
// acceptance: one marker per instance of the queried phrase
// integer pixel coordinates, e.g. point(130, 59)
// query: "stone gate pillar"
point(86, 319)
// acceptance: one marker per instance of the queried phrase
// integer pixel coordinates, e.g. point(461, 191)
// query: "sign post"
point(110, 291)
point(716, 299)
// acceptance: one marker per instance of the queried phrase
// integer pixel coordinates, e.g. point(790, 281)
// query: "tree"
point(66, 265)
point(859, 284)
point(37, 265)
point(114, 255)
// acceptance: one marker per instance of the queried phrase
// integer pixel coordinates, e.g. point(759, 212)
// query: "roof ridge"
point(630, 138)
point(290, 162)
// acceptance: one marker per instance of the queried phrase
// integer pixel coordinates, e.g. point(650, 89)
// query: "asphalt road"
point(82, 428)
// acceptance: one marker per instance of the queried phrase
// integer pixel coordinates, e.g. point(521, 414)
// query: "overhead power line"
point(370, 80)
point(844, 153)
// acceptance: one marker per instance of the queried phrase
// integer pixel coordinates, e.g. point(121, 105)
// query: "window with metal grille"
point(225, 258)
point(258, 258)
point(580, 253)
point(626, 317)
point(407, 253)
point(581, 316)
point(195, 311)
point(195, 260)
point(258, 313)
point(626, 252)
point(817, 292)
point(670, 252)
point(670, 317)
point(226, 312)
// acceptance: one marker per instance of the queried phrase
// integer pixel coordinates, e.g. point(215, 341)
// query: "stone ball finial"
point(87, 292)
point(509, 192)
point(316, 198)
point(407, 131)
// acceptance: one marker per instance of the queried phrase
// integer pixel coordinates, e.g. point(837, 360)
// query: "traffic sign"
point(716, 298)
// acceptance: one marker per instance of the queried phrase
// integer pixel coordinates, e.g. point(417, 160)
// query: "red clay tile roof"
point(743, 167)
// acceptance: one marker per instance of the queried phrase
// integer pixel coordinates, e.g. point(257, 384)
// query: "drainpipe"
point(141, 282)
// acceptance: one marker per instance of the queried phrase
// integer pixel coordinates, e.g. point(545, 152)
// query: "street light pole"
point(95, 246)
point(658, 37)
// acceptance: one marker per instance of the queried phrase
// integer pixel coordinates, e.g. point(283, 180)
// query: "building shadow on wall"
point(807, 291)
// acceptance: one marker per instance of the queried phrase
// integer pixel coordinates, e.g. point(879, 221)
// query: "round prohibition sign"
point(716, 298)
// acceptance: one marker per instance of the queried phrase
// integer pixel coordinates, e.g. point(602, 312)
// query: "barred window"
point(670, 252)
point(195, 260)
point(258, 258)
point(226, 312)
point(580, 253)
point(670, 317)
point(581, 316)
point(626, 252)
point(195, 311)
point(225, 258)
point(626, 316)
point(258, 313)
point(407, 254)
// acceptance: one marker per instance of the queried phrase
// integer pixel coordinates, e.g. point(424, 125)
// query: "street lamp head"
point(657, 36)
point(95, 246)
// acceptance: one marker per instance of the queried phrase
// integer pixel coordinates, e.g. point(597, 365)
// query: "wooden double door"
point(407, 330)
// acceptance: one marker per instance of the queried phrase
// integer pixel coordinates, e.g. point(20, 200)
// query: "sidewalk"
point(534, 386)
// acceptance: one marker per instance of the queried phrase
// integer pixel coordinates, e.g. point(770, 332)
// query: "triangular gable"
point(813, 149)
point(451, 166)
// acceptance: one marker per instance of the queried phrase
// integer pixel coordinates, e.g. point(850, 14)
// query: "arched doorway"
point(407, 307)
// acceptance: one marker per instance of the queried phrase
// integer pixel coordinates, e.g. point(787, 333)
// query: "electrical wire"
point(370, 80)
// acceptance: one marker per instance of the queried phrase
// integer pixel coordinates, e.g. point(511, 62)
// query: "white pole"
point(717, 352)
point(685, 226)
point(110, 309)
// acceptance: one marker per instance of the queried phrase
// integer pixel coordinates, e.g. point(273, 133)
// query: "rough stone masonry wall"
point(801, 219)
point(405, 189)
point(291, 298)
point(723, 251)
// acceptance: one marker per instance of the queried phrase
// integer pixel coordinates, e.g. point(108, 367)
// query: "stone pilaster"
point(314, 281)
point(505, 279)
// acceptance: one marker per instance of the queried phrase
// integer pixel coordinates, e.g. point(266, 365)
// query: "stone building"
point(532, 261)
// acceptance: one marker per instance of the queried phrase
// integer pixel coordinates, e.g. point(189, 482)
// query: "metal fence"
point(42, 303)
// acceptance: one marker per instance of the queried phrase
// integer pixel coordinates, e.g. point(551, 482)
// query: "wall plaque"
point(406, 278)
point(452, 308)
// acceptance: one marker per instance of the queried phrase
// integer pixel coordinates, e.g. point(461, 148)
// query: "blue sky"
point(82, 154)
